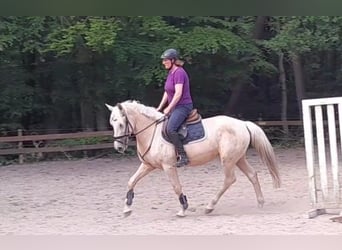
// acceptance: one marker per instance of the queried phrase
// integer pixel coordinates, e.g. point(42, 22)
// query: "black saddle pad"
point(194, 132)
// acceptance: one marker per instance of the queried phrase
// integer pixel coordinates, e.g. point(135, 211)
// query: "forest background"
point(57, 72)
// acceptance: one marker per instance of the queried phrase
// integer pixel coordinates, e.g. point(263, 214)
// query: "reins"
point(154, 132)
point(130, 135)
point(129, 132)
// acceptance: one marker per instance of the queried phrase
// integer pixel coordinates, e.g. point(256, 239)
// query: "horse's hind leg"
point(251, 174)
point(140, 173)
point(228, 181)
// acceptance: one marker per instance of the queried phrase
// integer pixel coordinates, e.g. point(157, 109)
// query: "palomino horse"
point(226, 137)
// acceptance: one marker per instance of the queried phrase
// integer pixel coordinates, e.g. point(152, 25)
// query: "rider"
point(178, 101)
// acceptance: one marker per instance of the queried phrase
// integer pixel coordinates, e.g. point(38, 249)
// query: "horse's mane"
point(149, 112)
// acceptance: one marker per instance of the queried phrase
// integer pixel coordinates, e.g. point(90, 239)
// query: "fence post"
point(323, 168)
point(20, 146)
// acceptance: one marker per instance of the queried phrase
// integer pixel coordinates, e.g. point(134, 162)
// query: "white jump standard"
point(323, 169)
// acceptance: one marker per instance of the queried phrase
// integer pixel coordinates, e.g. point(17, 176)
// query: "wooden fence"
point(36, 141)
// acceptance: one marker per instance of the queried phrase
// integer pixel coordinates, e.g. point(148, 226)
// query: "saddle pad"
point(194, 132)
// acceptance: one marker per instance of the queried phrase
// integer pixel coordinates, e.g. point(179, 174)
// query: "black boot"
point(182, 158)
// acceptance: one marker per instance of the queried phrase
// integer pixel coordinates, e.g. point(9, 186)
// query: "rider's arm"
point(177, 96)
point(162, 102)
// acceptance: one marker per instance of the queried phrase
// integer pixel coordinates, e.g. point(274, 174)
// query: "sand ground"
point(86, 197)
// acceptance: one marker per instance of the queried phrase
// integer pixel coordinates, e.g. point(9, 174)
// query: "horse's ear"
point(120, 107)
point(109, 107)
point(122, 111)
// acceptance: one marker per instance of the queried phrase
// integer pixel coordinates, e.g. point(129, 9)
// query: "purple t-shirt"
point(179, 76)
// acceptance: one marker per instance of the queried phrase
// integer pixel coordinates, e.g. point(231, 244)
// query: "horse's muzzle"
point(120, 147)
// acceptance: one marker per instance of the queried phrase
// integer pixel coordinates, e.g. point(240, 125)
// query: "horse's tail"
point(264, 148)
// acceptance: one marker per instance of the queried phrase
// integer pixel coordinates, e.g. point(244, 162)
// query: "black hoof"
point(208, 211)
point(127, 213)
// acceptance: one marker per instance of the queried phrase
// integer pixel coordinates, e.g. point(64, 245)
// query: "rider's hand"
point(167, 111)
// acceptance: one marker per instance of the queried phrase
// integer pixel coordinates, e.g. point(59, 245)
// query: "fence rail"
point(54, 136)
point(17, 148)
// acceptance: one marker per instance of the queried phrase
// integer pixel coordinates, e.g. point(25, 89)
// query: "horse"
point(226, 137)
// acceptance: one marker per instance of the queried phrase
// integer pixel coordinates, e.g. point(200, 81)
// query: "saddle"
point(193, 118)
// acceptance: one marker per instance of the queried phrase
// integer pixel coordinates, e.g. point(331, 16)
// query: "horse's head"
point(119, 121)
point(128, 116)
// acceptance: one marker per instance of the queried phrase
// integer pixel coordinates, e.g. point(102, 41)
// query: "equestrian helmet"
point(170, 54)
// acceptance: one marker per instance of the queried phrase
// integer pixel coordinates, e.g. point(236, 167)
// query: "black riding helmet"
point(170, 54)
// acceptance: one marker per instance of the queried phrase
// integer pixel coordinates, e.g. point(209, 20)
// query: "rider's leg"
point(177, 117)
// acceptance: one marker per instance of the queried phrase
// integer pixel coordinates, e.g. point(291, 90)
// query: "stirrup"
point(182, 161)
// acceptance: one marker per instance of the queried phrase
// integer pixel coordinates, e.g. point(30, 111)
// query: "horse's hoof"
point(181, 214)
point(208, 210)
point(261, 204)
point(127, 213)
point(192, 209)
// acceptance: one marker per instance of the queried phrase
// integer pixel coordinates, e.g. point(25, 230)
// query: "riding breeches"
point(178, 116)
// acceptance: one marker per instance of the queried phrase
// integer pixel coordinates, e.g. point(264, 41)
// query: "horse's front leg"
point(171, 172)
point(143, 170)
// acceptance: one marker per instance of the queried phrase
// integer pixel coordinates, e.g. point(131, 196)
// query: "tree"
point(299, 37)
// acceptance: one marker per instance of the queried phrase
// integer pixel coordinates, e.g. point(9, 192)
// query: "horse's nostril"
point(120, 149)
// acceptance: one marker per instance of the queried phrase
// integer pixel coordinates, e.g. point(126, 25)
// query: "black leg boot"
point(182, 158)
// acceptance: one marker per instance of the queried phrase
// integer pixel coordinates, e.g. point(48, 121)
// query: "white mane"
point(149, 112)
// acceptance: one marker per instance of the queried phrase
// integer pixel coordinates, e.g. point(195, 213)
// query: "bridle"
point(129, 131)
point(131, 134)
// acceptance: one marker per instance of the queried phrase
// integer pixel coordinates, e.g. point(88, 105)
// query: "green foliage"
point(6, 35)
point(208, 40)
point(61, 70)
point(96, 33)
point(82, 141)
point(15, 103)
point(156, 28)
point(26, 34)
point(305, 33)
point(140, 44)
point(101, 34)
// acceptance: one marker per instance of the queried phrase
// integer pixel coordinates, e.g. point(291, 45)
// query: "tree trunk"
point(258, 29)
point(230, 108)
point(101, 112)
point(299, 81)
point(86, 114)
point(257, 34)
point(331, 62)
point(86, 103)
point(282, 80)
point(83, 58)
point(101, 121)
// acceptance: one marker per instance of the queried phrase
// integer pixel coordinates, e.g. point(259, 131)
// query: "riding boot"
point(182, 158)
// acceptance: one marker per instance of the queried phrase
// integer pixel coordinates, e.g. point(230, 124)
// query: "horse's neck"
point(142, 126)
point(144, 131)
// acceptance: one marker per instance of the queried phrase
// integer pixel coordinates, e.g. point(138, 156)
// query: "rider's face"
point(167, 63)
